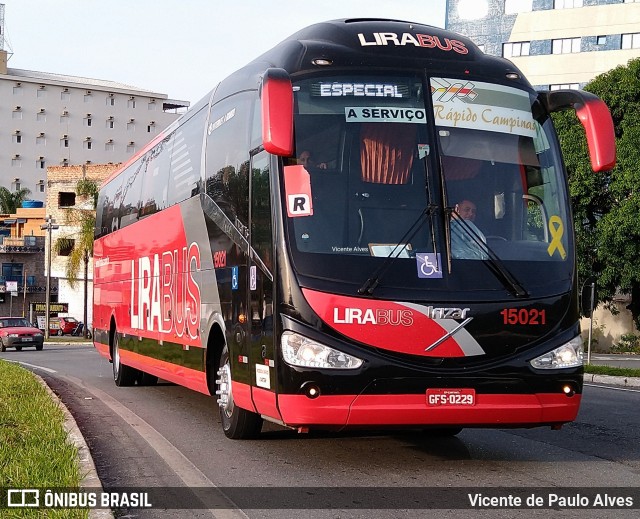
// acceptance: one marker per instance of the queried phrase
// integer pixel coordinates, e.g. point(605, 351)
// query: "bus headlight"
point(568, 355)
point(298, 350)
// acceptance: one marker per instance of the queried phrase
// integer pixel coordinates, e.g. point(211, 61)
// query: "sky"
point(181, 48)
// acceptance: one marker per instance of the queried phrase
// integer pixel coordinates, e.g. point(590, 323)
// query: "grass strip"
point(34, 449)
point(612, 371)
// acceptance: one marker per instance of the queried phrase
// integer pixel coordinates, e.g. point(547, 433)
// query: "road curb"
point(88, 472)
point(612, 381)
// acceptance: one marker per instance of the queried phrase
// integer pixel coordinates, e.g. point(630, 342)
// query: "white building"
point(556, 43)
point(56, 120)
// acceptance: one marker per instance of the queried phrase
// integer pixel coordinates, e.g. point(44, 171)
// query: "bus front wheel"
point(237, 423)
point(122, 375)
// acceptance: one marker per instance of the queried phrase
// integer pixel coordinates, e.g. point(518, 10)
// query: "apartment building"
point(50, 119)
point(556, 43)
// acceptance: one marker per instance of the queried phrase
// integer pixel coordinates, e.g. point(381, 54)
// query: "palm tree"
point(10, 201)
point(79, 244)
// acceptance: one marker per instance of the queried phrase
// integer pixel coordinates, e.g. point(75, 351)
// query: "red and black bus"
point(294, 244)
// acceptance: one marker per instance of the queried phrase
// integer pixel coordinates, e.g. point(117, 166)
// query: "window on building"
point(567, 4)
point(66, 199)
point(64, 141)
point(132, 102)
point(601, 40)
point(515, 49)
point(18, 90)
point(40, 186)
point(16, 162)
point(109, 146)
point(111, 124)
point(88, 120)
point(88, 97)
point(17, 137)
point(631, 40)
point(41, 140)
point(131, 147)
point(566, 45)
point(517, 6)
point(41, 92)
point(17, 113)
point(66, 246)
point(65, 95)
point(12, 272)
point(152, 104)
point(131, 125)
point(41, 116)
point(41, 164)
point(151, 127)
point(88, 144)
point(111, 100)
point(64, 117)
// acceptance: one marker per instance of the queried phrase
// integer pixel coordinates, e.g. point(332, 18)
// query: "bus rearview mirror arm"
point(596, 120)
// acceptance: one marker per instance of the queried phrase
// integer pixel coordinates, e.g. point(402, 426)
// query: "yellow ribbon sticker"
point(556, 228)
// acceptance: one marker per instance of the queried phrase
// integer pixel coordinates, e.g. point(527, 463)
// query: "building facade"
point(63, 206)
point(556, 43)
point(56, 120)
point(22, 253)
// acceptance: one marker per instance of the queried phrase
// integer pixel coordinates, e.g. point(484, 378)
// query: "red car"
point(18, 332)
point(65, 326)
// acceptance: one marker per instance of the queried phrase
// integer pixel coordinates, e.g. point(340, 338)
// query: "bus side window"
point(155, 182)
point(227, 155)
point(185, 151)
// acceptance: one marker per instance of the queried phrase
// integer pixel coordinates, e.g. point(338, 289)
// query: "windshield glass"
point(470, 171)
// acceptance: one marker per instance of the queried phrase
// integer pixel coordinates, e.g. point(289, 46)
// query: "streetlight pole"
point(49, 226)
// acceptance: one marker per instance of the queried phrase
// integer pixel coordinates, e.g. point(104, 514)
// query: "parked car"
point(66, 326)
point(18, 332)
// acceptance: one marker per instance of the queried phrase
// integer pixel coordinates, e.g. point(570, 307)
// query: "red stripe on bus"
point(490, 410)
point(191, 378)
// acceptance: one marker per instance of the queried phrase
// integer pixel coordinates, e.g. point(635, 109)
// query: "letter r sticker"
point(297, 186)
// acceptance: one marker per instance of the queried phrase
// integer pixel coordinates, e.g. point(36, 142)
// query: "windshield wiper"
point(371, 283)
point(494, 264)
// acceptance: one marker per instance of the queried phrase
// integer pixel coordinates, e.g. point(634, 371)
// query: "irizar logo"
point(446, 313)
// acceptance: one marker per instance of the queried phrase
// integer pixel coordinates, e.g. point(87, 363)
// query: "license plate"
point(454, 397)
point(27, 339)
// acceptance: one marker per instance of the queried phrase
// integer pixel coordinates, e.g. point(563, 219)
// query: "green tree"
point(79, 244)
point(607, 205)
point(10, 201)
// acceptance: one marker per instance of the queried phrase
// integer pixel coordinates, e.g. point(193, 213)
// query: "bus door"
point(260, 279)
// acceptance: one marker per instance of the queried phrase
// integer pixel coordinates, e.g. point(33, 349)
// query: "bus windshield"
point(444, 174)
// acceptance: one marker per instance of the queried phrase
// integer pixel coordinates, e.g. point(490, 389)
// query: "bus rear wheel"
point(122, 375)
point(237, 423)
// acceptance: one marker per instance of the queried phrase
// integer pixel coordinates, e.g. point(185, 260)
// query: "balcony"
point(25, 245)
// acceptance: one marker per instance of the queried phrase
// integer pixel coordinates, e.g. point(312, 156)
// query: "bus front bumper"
point(489, 410)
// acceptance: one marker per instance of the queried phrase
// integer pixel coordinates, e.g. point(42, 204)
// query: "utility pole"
point(49, 226)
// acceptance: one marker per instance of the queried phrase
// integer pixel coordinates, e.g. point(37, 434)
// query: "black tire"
point(237, 423)
point(122, 375)
point(18, 348)
point(146, 379)
point(39, 347)
point(3, 348)
point(442, 432)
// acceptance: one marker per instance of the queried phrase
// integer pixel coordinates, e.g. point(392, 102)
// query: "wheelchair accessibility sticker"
point(429, 265)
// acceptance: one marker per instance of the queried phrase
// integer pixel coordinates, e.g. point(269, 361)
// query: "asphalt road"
point(169, 437)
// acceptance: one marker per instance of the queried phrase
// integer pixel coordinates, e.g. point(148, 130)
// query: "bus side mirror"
point(588, 296)
point(596, 120)
point(277, 112)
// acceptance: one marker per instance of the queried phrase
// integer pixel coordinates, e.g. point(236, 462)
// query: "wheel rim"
point(116, 358)
point(224, 392)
